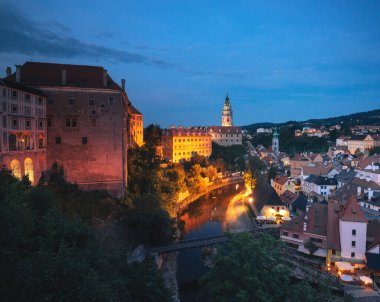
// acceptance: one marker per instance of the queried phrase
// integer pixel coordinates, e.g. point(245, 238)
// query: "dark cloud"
point(22, 35)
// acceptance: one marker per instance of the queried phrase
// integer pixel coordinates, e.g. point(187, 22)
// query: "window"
point(27, 98)
point(93, 122)
point(4, 106)
point(14, 94)
point(28, 110)
point(353, 232)
point(40, 112)
point(4, 92)
point(40, 101)
point(28, 124)
point(50, 99)
point(14, 108)
point(40, 125)
point(285, 233)
point(110, 100)
point(71, 122)
point(58, 140)
point(91, 100)
point(15, 124)
point(71, 100)
point(353, 243)
point(333, 252)
point(4, 121)
point(352, 254)
point(84, 140)
point(295, 236)
point(102, 106)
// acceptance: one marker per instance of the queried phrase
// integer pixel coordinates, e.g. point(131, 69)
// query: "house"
point(267, 203)
point(339, 232)
point(309, 226)
point(282, 183)
point(136, 127)
point(319, 185)
point(23, 130)
point(182, 143)
point(342, 141)
point(328, 170)
point(363, 142)
point(225, 136)
point(294, 202)
point(296, 163)
point(369, 169)
point(373, 246)
point(347, 233)
point(87, 121)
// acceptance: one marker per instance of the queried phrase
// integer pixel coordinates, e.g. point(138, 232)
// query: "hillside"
point(370, 118)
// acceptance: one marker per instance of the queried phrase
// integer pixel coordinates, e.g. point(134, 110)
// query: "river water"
point(204, 217)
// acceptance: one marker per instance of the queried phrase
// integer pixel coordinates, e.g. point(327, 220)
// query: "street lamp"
point(250, 199)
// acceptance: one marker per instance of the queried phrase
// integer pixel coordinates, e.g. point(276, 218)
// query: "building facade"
point(183, 143)
point(226, 136)
point(136, 127)
point(363, 142)
point(87, 121)
point(22, 130)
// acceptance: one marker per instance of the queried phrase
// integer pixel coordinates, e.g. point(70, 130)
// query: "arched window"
point(28, 166)
point(15, 167)
point(12, 142)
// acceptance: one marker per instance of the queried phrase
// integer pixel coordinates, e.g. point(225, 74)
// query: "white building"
point(352, 231)
point(319, 185)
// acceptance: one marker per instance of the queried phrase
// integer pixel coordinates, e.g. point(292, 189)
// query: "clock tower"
point(227, 113)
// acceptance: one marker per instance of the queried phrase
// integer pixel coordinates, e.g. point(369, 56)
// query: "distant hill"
point(370, 118)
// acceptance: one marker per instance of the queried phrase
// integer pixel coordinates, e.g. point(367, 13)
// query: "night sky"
point(278, 60)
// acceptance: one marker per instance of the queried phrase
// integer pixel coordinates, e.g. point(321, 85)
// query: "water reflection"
point(204, 217)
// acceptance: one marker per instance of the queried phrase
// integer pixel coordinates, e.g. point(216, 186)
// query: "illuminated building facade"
point(22, 130)
point(182, 143)
point(275, 142)
point(136, 127)
point(363, 142)
point(87, 121)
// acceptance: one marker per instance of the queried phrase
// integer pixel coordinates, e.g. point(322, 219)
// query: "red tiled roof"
point(367, 161)
point(281, 180)
point(222, 129)
point(180, 131)
point(352, 211)
point(318, 169)
point(288, 197)
point(296, 224)
point(50, 74)
point(317, 219)
point(333, 236)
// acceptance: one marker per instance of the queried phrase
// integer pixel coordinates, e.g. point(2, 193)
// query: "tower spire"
point(227, 98)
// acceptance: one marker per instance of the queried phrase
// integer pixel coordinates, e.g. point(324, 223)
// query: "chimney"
point(8, 72)
point(105, 78)
point(359, 191)
point(63, 77)
point(123, 84)
point(18, 73)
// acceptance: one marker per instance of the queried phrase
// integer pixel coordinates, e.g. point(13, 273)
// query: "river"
point(204, 217)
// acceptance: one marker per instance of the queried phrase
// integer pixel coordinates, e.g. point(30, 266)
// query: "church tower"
point(227, 113)
point(275, 142)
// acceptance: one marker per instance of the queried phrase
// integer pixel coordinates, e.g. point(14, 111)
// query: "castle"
point(73, 115)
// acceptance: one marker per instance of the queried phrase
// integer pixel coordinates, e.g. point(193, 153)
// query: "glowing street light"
point(250, 199)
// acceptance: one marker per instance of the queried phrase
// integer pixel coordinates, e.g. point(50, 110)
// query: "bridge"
point(197, 242)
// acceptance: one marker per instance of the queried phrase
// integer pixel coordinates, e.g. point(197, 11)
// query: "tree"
point(272, 172)
point(311, 247)
point(152, 135)
point(248, 268)
point(46, 255)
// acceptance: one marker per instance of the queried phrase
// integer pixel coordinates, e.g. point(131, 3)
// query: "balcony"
point(292, 240)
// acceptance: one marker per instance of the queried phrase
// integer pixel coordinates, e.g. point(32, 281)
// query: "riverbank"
point(169, 266)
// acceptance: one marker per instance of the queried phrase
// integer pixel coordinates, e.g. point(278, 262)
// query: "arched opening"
point(26, 142)
point(15, 167)
point(12, 142)
point(28, 166)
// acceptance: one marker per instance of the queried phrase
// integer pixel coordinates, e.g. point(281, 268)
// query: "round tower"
point(227, 113)
point(275, 142)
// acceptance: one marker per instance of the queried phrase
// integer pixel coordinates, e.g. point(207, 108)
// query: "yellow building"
point(363, 142)
point(182, 143)
point(136, 130)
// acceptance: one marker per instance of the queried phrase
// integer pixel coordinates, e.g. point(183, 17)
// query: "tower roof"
point(227, 97)
point(352, 211)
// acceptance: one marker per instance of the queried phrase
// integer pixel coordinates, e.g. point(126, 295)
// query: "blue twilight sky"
point(278, 60)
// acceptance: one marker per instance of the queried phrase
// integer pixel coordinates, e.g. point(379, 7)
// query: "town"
point(189, 151)
point(324, 206)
